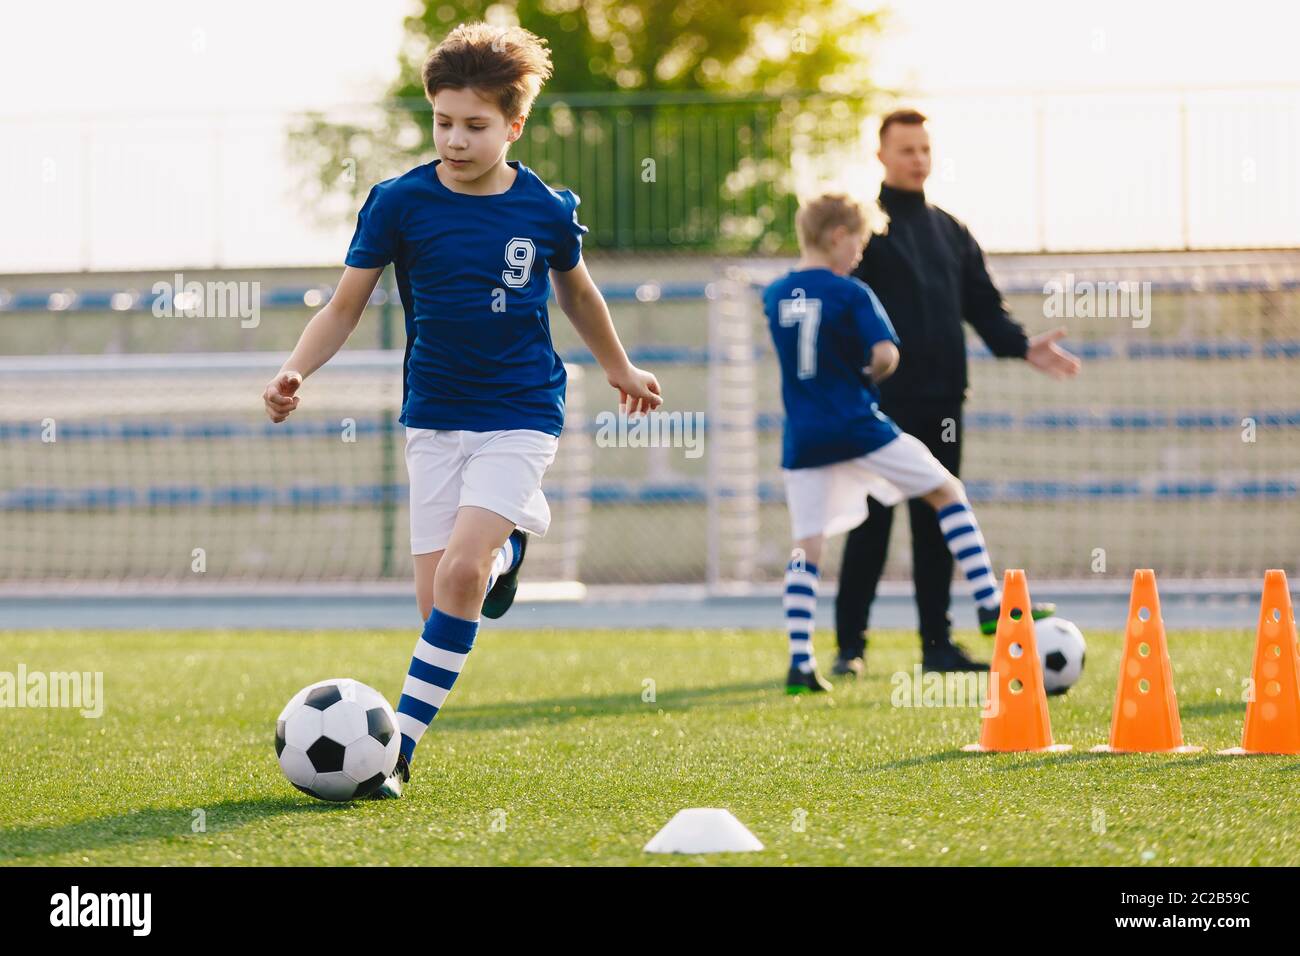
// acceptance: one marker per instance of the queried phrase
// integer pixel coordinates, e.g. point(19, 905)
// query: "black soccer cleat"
point(854, 667)
point(806, 682)
point(949, 659)
point(391, 789)
point(502, 593)
point(989, 616)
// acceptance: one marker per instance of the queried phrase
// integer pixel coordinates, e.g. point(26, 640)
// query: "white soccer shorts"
point(833, 498)
point(497, 470)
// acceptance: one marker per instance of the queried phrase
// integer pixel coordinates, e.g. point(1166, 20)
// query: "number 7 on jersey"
point(807, 314)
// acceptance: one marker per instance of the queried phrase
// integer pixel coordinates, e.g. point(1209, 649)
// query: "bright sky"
point(88, 55)
point(73, 68)
point(1045, 45)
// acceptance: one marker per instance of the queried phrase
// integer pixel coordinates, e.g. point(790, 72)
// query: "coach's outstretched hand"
point(1046, 356)
point(280, 397)
point(638, 390)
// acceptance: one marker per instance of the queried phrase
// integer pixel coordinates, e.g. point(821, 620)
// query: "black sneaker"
point(805, 682)
point(391, 789)
point(853, 667)
point(949, 658)
point(502, 594)
point(989, 616)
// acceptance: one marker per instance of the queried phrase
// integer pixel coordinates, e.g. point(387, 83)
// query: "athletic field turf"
point(549, 753)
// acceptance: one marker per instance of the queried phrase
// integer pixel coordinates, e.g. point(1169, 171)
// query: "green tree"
point(642, 77)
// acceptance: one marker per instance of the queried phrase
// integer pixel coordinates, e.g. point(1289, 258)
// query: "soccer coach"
point(929, 273)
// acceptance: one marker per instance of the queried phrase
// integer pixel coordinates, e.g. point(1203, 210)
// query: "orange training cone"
point(1016, 718)
point(1146, 707)
point(1273, 711)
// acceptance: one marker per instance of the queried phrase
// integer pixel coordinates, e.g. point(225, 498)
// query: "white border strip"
point(576, 591)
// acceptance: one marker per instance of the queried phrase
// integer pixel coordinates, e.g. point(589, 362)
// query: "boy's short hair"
point(507, 65)
point(905, 117)
point(821, 214)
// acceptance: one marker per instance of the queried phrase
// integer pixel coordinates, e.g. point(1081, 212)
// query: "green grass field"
point(548, 754)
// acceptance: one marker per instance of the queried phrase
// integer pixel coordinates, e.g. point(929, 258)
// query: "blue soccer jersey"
point(824, 326)
point(474, 277)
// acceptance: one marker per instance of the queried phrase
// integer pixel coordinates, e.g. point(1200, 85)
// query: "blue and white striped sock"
point(800, 604)
point(506, 557)
point(962, 532)
point(439, 656)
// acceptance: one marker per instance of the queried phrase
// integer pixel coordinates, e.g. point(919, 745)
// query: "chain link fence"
point(1176, 448)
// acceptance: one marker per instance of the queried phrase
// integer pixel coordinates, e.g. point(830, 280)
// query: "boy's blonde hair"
point(506, 65)
point(819, 215)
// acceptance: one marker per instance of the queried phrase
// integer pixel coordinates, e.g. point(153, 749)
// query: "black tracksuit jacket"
point(929, 274)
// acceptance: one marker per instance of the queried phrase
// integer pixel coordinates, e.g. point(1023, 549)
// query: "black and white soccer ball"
point(337, 739)
point(1062, 650)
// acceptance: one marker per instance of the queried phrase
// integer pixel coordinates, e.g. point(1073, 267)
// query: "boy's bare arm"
point(330, 327)
point(884, 359)
point(320, 340)
point(585, 306)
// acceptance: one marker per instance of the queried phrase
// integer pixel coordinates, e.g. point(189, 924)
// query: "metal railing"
point(1125, 169)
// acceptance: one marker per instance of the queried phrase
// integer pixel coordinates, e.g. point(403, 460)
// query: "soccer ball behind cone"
point(1062, 650)
point(337, 740)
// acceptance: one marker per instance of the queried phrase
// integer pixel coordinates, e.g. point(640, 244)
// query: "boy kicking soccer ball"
point(476, 242)
point(834, 343)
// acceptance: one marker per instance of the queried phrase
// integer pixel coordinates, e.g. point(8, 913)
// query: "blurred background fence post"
point(732, 437)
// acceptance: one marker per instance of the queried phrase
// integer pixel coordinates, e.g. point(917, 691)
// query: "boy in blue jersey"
point(835, 343)
point(476, 242)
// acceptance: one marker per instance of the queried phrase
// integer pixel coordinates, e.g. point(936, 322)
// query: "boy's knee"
point(463, 573)
point(950, 492)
